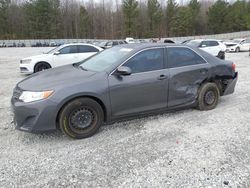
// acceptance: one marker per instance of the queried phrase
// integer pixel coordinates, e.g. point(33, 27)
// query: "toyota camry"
point(120, 82)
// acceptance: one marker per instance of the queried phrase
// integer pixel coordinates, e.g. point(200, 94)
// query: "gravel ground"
point(187, 148)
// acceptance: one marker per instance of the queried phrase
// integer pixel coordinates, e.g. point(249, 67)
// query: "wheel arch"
point(98, 100)
point(38, 62)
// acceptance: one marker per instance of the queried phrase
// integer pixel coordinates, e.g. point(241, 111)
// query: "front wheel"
point(237, 49)
point(41, 67)
point(208, 96)
point(81, 118)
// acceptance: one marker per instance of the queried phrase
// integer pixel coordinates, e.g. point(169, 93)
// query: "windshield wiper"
point(83, 68)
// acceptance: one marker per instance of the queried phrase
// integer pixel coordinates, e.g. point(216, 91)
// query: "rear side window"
point(115, 43)
point(68, 50)
point(86, 49)
point(181, 56)
point(147, 60)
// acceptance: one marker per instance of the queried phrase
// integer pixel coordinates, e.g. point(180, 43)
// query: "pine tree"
point(170, 15)
point(217, 17)
point(130, 10)
point(155, 16)
point(84, 22)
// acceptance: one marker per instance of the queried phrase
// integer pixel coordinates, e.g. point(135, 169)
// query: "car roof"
point(78, 43)
point(140, 46)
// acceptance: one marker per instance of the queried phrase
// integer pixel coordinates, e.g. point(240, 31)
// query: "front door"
point(68, 55)
point(145, 89)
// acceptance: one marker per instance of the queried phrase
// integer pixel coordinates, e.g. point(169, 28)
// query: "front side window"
point(148, 60)
point(68, 50)
point(214, 43)
point(181, 56)
point(87, 49)
point(205, 44)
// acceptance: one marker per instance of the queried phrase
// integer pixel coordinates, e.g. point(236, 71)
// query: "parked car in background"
point(21, 44)
point(2, 45)
point(130, 40)
point(168, 41)
point(237, 45)
point(62, 55)
point(109, 44)
point(118, 83)
point(212, 46)
point(11, 44)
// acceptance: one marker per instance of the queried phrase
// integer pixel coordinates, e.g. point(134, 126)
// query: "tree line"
point(114, 19)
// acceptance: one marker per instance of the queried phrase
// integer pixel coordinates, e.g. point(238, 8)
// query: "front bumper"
point(26, 68)
point(35, 117)
point(230, 49)
point(231, 85)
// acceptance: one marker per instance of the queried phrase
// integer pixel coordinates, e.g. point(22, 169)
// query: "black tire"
point(41, 67)
point(208, 96)
point(237, 49)
point(221, 55)
point(81, 118)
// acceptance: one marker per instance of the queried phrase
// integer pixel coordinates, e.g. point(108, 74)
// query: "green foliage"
point(84, 22)
point(182, 25)
point(40, 19)
point(218, 17)
point(130, 10)
point(194, 8)
point(170, 15)
point(4, 5)
point(42, 16)
point(154, 13)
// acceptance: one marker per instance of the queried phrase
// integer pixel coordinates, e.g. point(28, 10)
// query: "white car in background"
point(62, 55)
point(130, 40)
point(212, 46)
point(238, 45)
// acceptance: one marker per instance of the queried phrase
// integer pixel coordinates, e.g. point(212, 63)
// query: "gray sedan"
point(121, 82)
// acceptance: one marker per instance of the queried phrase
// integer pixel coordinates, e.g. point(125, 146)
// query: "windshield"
point(105, 59)
point(193, 43)
point(237, 40)
point(53, 50)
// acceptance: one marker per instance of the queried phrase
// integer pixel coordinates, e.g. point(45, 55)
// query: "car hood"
point(53, 78)
point(38, 56)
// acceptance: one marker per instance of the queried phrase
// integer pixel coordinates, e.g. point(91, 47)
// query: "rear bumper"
point(231, 85)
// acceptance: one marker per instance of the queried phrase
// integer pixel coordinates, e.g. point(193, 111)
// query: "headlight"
point(25, 61)
point(30, 96)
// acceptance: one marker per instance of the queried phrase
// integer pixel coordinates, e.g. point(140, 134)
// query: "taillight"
point(234, 67)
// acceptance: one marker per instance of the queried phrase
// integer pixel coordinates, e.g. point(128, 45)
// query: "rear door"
point(187, 70)
point(145, 89)
point(85, 51)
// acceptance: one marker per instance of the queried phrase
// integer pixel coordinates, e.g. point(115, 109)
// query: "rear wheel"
point(41, 67)
point(81, 118)
point(208, 96)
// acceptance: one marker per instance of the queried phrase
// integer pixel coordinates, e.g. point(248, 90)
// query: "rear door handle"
point(162, 77)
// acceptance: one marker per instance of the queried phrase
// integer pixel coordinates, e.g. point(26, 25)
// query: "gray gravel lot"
point(187, 148)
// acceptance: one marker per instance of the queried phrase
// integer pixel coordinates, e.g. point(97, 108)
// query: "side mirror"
point(203, 46)
point(125, 71)
point(57, 53)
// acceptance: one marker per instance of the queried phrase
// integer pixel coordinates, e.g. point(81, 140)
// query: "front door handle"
point(162, 77)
